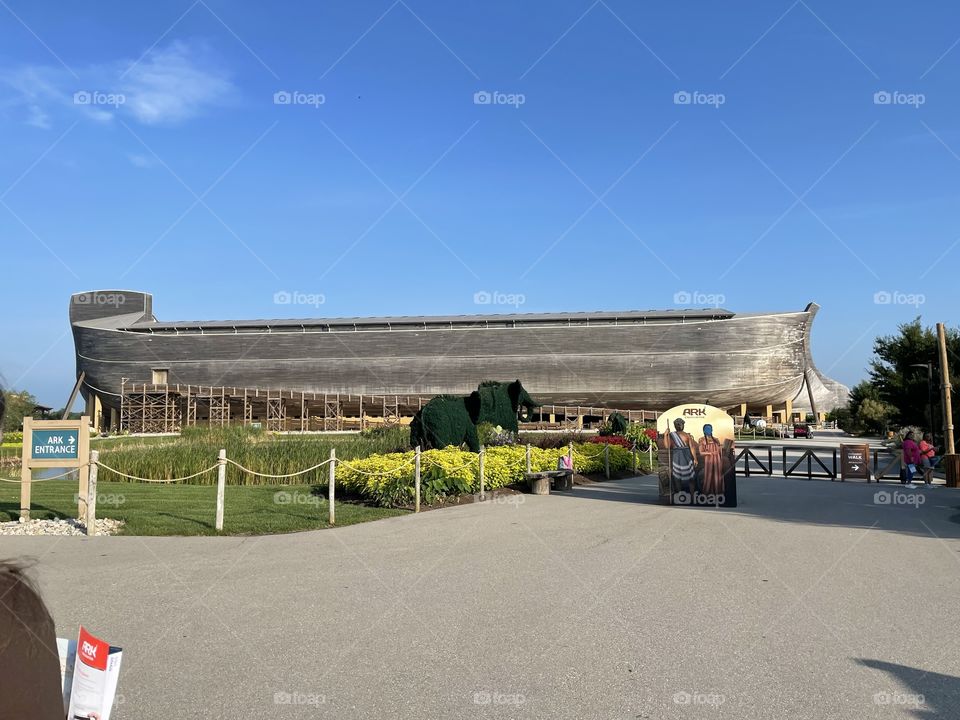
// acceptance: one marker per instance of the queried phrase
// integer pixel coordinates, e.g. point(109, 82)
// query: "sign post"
point(854, 462)
point(55, 444)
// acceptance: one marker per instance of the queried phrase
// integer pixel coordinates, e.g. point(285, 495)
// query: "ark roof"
point(412, 321)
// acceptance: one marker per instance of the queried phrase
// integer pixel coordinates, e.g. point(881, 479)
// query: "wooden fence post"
point(91, 519)
point(221, 485)
point(26, 474)
point(606, 460)
point(633, 457)
point(331, 485)
point(528, 457)
point(416, 475)
point(482, 453)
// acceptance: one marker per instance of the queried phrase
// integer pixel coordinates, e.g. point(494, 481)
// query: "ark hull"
point(629, 360)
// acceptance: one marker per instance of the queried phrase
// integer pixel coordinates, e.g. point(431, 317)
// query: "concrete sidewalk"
point(808, 601)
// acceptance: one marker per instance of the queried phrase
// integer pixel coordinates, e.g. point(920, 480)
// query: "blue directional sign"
point(54, 445)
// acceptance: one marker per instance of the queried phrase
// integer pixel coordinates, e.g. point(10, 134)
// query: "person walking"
point(928, 458)
point(911, 458)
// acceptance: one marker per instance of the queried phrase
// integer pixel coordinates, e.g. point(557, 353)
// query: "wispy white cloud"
point(37, 118)
point(141, 161)
point(34, 89)
point(174, 84)
point(167, 86)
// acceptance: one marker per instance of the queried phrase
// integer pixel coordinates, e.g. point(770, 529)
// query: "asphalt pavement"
point(811, 600)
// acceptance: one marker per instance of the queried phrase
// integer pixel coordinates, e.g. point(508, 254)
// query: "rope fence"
point(153, 480)
point(566, 462)
point(381, 473)
point(69, 472)
point(276, 477)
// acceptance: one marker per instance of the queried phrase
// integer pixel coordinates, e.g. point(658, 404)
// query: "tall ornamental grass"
point(197, 448)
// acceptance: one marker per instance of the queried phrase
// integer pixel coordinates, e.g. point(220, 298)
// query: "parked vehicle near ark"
point(802, 430)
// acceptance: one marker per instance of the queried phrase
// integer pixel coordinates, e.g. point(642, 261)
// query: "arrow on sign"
point(855, 467)
point(71, 440)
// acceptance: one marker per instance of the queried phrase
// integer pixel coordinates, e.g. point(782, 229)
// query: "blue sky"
point(569, 155)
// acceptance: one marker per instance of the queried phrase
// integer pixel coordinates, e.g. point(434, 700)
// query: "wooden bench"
point(539, 482)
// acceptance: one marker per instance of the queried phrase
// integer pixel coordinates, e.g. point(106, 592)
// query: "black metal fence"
point(808, 462)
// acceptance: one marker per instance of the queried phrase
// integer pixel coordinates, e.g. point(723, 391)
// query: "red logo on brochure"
point(92, 651)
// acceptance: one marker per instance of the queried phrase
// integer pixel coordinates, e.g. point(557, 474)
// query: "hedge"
point(388, 479)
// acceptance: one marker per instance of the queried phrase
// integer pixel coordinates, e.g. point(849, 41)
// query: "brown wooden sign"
point(55, 444)
point(855, 462)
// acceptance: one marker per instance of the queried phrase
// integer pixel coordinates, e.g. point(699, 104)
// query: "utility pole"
point(945, 388)
point(950, 460)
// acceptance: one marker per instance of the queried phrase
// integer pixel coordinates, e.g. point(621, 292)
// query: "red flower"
point(612, 440)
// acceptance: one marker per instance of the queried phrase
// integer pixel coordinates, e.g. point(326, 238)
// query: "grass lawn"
point(191, 509)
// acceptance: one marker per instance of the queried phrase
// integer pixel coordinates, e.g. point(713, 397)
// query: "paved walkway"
point(808, 601)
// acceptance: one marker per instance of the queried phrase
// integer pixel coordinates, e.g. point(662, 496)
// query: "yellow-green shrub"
point(388, 479)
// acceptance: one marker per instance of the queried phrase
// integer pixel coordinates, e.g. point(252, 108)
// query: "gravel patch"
point(68, 526)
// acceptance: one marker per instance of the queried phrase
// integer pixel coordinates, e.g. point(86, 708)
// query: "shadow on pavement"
point(922, 511)
point(926, 694)
point(641, 489)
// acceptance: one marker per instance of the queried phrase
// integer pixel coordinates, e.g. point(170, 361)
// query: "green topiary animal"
point(449, 420)
point(444, 421)
point(618, 424)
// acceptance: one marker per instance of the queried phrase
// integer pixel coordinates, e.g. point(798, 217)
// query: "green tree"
point(874, 415)
point(861, 392)
point(57, 414)
point(844, 420)
point(18, 406)
point(902, 386)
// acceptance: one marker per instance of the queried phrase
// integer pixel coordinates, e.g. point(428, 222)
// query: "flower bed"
point(613, 440)
point(388, 480)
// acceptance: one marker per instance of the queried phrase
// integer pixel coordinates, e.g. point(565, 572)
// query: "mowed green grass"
point(157, 509)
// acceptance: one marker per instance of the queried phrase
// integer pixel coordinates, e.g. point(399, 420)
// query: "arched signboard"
point(697, 456)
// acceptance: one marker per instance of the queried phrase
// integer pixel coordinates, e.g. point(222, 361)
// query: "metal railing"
point(810, 455)
point(747, 455)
